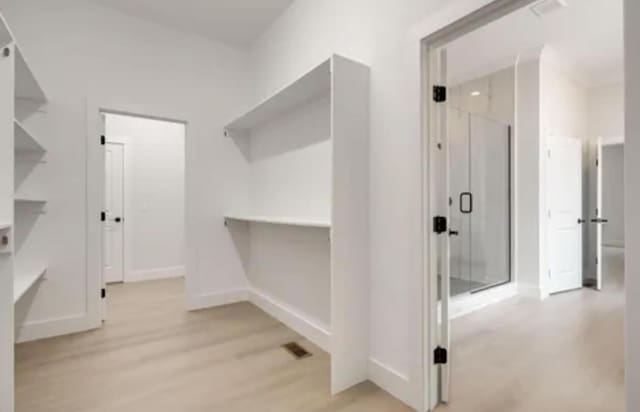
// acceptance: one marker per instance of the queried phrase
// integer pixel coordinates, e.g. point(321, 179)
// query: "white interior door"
point(564, 200)
point(113, 256)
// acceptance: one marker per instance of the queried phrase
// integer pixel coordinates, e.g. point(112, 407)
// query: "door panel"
point(113, 256)
point(564, 200)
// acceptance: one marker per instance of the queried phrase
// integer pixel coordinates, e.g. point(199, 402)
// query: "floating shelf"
point(310, 86)
point(29, 199)
point(25, 141)
point(315, 223)
point(27, 86)
point(24, 281)
point(5, 33)
point(4, 226)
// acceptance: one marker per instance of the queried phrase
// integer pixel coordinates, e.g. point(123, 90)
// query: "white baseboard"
point(155, 274)
point(316, 333)
point(464, 305)
point(533, 292)
point(50, 328)
point(391, 381)
point(217, 299)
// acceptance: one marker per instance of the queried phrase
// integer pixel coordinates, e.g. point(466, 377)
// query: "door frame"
point(462, 19)
point(95, 187)
point(594, 234)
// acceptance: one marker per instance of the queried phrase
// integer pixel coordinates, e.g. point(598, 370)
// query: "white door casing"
point(113, 255)
point(564, 214)
point(598, 215)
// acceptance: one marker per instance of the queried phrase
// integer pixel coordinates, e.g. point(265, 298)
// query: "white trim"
point(155, 274)
point(532, 291)
point(466, 304)
point(298, 322)
point(217, 299)
point(460, 18)
point(391, 381)
point(611, 141)
point(49, 328)
point(614, 243)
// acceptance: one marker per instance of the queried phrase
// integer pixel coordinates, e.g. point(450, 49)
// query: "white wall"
point(613, 195)
point(154, 182)
point(632, 203)
point(84, 53)
point(606, 111)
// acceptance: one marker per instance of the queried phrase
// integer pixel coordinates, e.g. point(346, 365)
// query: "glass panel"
point(491, 217)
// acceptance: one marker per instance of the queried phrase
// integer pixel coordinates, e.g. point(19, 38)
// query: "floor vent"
point(296, 350)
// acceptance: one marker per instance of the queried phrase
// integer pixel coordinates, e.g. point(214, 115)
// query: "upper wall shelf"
point(27, 86)
point(4, 226)
point(25, 141)
point(29, 199)
point(310, 86)
point(285, 221)
point(25, 281)
point(5, 33)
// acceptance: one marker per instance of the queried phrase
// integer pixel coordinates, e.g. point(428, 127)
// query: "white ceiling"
point(587, 35)
point(235, 22)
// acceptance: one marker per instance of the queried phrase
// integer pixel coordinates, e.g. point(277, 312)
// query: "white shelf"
point(25, 141)
point(310, 86)
point(27, 86)
point(5, 33)
point(22, 282)
point(4, 226)
point(29, 199)
point(315, 223)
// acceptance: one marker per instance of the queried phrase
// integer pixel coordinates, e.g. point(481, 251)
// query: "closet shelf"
point(29, 199)
point(310, 86)
point(4, 226)
point(284, 221)
point(22, 282)
point(25, 141)
point(27, 86)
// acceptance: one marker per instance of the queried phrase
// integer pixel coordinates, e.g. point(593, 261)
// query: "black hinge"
point(103, 216)
point(103, 140)
point(103, 293)
point(597, 162)
point(440, 356)
point(439, 94)
point(439, 224)
point(597, 261)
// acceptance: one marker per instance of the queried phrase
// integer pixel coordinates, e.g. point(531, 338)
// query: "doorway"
point(144, 200)
point(551, 135)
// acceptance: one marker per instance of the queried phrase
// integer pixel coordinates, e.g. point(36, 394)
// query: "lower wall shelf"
point(286, 221)
point(25, 281)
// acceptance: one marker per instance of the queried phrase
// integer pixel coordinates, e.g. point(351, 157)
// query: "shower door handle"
point(463, 196)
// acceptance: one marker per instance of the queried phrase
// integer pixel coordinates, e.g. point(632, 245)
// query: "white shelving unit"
point(22, 256)
point(25, 141)
point(305, 223)
point(281, 221)
point(25, 281)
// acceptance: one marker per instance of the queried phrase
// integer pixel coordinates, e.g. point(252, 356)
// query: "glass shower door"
point(480, 202)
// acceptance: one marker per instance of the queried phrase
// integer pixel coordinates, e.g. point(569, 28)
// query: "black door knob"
point(117, 220)
point(453, 233)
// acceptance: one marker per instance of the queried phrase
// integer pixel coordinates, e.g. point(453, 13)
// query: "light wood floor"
point(153, 356)
point(564, 355)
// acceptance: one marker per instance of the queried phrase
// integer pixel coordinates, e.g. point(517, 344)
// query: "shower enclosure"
point(480, 202)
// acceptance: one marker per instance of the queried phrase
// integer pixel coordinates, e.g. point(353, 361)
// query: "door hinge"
point(103, 293)
point(439, 94)
point(597, 162)
point(440, 356)
point(597, 261)
point(439, 224)
point(103, 216)
point(103, 140)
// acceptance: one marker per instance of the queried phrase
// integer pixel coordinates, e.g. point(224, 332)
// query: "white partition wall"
point(303, 232)
point(22, 262)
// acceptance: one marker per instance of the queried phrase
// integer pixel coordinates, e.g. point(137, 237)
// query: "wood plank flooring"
point(564, 355)
point(153, 356)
